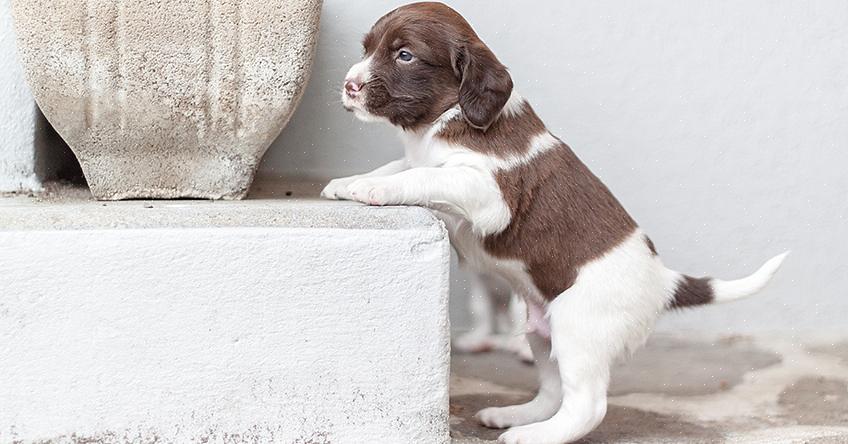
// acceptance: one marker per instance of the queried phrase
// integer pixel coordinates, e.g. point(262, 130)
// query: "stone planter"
point(168, 99)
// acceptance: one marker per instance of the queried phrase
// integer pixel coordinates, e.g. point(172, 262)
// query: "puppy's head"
point(421, 60)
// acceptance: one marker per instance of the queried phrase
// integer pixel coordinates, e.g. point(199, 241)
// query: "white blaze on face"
point(360, 73)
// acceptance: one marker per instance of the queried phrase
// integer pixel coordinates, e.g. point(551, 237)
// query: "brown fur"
point(691, 292)
point(562, 217)
point(507, 135)
point(651, 246)
point(452, 66)
point(415, 94)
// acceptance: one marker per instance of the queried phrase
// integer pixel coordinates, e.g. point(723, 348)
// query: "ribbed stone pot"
point(168, 98)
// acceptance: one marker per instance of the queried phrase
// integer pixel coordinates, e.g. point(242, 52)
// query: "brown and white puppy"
point(518, 204)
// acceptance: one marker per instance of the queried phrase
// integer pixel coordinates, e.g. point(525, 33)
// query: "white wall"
point(17, 114)
point(721, 125)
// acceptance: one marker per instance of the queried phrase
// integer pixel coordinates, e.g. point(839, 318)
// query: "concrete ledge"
point(256, 321)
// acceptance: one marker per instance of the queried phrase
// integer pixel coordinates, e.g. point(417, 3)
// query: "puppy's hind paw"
point(495, 418)
point(474, 342)
point(529, 434)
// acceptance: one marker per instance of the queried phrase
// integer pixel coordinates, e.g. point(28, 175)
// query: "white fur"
point(337, 188)
point(360, 72)
point(539, 145)
point(513, 105)
point(442, 176)
point(610, 309)
point(515, 324)
point(726, 291)
point(546, 402)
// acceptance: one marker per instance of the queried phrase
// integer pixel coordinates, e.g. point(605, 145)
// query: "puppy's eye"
point(405, 56)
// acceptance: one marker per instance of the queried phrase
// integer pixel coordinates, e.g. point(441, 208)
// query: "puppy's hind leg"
point(517, 341)
point(591, 326)
point(540, 408)
point(481, 336)
point(583, 365)
point(610, 309)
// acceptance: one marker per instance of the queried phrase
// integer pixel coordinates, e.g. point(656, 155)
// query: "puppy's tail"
point(691, 292)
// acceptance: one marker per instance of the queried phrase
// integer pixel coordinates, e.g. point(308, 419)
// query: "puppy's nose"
point(353, 86)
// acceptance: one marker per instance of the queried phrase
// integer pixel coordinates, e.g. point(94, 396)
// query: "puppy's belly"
point(474, 256)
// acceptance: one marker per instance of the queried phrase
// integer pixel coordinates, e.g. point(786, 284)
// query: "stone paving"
point(731, 390)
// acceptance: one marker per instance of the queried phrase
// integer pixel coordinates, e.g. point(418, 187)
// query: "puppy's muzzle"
point(353, 87)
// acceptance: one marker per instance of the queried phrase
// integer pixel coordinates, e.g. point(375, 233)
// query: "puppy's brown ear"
point(485, 84)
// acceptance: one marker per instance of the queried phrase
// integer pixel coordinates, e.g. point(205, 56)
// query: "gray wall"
point(721, 125)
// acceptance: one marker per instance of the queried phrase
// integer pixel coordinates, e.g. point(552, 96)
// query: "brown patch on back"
point(508, 135)
point(562, 218)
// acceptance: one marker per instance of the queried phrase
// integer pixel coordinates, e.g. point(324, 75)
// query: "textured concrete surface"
point(680, 389)
point(267, 320)
point(167, 99)
point(17, 114)
point(271, 204)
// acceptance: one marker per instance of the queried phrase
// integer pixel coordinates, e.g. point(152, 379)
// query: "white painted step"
point(256, 321)
point(17, 114)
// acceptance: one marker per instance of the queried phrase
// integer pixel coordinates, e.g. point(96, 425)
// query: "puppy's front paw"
point(337, 189)
point(371, 192)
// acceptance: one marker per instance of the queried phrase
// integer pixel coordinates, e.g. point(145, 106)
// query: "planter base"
point(187, 176)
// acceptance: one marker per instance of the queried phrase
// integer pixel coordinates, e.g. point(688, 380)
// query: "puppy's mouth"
point(351, 104)
point(356, 105)
point(354, 108)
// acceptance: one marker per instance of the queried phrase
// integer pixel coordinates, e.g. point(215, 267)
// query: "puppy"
point(520, 205)
point(498, 318)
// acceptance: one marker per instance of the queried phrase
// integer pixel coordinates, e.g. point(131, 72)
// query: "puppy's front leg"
point(462, 190)
point(337, 188)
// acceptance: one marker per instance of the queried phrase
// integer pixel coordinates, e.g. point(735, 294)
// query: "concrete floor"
point(732, 390)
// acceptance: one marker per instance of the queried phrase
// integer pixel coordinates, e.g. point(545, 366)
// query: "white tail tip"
point(725, 291)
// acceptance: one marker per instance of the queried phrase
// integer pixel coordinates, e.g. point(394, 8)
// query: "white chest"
point(423, 150)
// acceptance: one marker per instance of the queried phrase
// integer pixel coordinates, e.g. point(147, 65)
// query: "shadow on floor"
point(680, 390)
